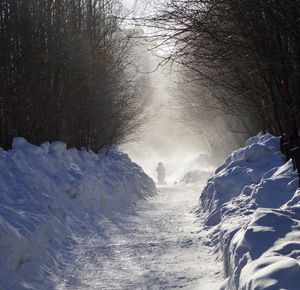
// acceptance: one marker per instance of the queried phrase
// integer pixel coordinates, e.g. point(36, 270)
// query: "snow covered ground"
point(73, 219)
point(160, 246)
point(252, 209)
point(195, 177)
point(50, 197)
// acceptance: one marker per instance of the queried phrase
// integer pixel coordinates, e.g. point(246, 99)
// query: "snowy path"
point(157, 247)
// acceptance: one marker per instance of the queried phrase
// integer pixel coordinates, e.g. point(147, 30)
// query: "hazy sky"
point(165, 138)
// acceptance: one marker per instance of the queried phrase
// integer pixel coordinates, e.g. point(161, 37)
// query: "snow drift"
point(48, 196)
point(252, 209)
point(197, 170)
point(195, 177)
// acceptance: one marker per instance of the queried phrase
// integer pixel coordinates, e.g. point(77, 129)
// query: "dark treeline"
point(66, 73)
point(240, 59)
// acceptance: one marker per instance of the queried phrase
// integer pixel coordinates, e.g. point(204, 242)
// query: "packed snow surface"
point(50, 199)
point(252, 209)
point(159, 246)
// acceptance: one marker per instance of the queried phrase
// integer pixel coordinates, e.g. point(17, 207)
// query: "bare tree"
point(244, 52)
point(65, 73)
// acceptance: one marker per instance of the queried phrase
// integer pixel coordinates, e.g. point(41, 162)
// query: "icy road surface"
point(159, 246)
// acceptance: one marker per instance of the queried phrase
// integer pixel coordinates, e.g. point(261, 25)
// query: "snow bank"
point(196, 172)
point(195, 176)
point(49, 195)
point(252, 209)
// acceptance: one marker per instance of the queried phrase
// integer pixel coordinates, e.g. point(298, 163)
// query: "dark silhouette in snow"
point(161, 173)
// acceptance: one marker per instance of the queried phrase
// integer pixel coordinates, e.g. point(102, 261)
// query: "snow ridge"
point(252, 209)
point(48, 196)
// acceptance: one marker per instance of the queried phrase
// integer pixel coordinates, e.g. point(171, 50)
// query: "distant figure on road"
point(161, 174)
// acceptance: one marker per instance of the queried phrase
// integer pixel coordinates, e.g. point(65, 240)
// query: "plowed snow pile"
point(252, 208)
point(48, 195)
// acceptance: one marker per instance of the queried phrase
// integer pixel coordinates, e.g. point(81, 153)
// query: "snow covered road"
point(159, 246)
